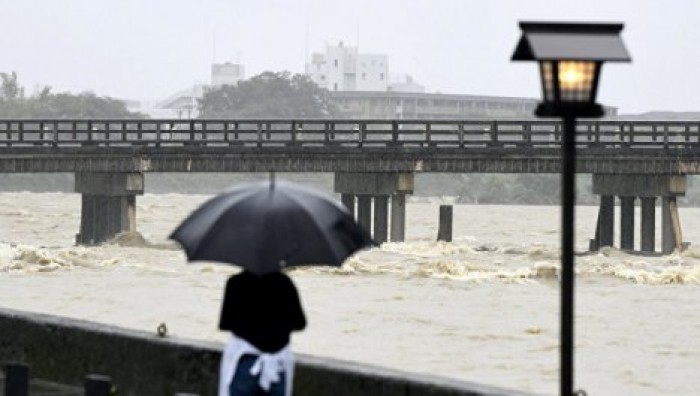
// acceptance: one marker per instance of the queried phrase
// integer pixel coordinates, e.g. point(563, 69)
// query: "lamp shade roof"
point(571, 41)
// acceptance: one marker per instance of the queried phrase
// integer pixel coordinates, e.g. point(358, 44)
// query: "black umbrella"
point(265, 226)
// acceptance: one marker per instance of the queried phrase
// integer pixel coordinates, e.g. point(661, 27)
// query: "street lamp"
point(570, 56)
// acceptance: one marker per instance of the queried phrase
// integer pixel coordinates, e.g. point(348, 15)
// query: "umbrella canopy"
point(266, 226)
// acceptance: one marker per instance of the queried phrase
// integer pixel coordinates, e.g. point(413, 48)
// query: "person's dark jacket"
point(262, 310)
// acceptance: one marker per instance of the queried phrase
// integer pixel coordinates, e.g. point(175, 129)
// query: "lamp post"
point(570, 56)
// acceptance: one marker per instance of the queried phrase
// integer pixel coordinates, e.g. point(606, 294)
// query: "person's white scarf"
point(268, 365)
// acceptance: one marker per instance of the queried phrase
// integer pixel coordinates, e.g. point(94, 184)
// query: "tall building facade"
point(226, 74)
point(342, 68)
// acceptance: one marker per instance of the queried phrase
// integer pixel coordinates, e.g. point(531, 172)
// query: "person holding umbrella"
point(265, 228)
point(261, 311)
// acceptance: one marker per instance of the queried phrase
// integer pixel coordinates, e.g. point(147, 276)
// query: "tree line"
point(14, 103)
point(286, 95)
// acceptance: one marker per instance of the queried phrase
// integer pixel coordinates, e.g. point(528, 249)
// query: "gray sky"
point(148, 49)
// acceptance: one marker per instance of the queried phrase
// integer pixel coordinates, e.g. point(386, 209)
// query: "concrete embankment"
point(144, 364)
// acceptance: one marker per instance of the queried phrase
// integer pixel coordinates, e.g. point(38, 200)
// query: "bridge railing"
point(345, 133)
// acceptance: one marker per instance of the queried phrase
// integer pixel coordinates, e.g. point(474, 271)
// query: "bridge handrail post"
point(428, 133)
point(139, 130)
point(158, 132)
point(259, 131)
point(460, 134)
point(294, 133)
point(596, 126)
point(123, 131)
point(327, 132)
point(20, 129)
point(665, 136)
point(394, 133)
point(89, 133)
point(527, 133)
point(225, 131)
point(361, 134)
point(41, 133)
point(494, 133)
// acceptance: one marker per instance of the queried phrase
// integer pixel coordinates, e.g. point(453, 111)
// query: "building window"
point(335, 86)
point(335, 62)
point(381, 76)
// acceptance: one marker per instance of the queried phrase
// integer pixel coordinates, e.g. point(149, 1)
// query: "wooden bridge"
point(373, 160)
point(465, 146)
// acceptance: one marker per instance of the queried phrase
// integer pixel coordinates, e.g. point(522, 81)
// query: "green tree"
point(10, 88)
point(268, 95)
point(45, 104)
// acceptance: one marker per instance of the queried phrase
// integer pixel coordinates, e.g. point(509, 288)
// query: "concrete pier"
point(108, 204)
point(648, 188)
point(398, 217)
point(373, 192)
point(364, 211)
point(348, 201)
point(381, 216)
point(627, 223)
point(606, 220)
point(648, 225)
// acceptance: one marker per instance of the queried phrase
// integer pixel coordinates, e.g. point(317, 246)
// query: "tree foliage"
point(268, 95)
point(46, 104)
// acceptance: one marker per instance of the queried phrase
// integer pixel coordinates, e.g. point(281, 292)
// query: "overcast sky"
point(148, 49)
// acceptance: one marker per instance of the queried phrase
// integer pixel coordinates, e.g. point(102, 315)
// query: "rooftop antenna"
point(306, 41)
point(213, 52)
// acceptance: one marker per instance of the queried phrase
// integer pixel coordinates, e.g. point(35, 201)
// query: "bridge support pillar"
point(108, 205)
point(627, 223)
point(648, 226)
point(605, 227)
point(671, 237)
point(373, 191)
point(398, 217)
point(348, 201)
point(381, 216)
point(648, 188)
point(364, 211)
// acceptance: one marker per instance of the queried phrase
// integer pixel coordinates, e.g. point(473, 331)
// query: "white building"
point(342, 68)
point(405, 83)
point(226, 74)
point(184, 103)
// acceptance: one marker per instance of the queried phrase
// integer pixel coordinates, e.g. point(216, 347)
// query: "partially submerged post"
point(445, 225)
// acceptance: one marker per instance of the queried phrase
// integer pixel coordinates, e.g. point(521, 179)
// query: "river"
point(483, 308)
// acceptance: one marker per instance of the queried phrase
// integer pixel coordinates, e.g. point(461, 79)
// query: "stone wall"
point(140, 363)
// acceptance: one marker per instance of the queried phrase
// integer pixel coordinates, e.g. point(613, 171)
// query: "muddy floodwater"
point(483, 308)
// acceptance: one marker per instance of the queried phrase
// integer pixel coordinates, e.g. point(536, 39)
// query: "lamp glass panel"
point(576, 80)
point(547, 74)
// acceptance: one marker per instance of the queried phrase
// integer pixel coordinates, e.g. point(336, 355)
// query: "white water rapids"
point(483, 308)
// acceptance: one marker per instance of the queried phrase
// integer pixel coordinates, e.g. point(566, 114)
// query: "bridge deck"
point(502, 146)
